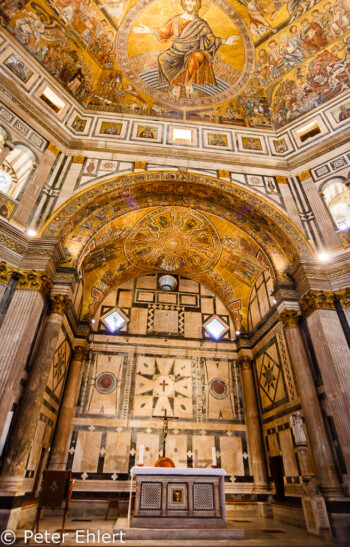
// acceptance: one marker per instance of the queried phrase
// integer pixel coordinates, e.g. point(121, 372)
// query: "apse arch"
point(189, 185)
point(79, 221)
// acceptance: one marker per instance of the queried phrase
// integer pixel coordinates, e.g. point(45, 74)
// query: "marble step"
point(228, 532)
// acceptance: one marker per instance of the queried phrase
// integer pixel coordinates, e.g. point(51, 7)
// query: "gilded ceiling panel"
point(240, 62)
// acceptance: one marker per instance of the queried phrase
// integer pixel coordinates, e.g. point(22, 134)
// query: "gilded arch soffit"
point(173, 239)
point(90, 210)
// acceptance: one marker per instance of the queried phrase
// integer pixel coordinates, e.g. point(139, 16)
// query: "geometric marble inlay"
point(203, 497)
point(151, 495)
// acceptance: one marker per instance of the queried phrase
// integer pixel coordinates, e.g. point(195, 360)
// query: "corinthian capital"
point(59, 303)
point(344, 297)
point(246, 362)
point(79, 353)
point(317, 300)
point(34, 281)
point(290, 318)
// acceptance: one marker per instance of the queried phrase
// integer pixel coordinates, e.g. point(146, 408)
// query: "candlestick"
point(213, 451)
point(140, 455)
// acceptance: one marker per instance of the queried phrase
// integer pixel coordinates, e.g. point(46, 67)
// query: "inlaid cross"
point(164, 384)
point(165, 418)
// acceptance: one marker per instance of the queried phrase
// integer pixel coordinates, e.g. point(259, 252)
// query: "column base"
point(10, 511)
point(262, 488)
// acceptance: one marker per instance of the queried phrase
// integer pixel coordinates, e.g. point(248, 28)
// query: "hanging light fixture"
point(167, 282)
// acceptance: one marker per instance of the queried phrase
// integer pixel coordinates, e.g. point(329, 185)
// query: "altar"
point(178, 498)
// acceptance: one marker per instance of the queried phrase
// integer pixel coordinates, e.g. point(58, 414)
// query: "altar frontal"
point(179, 498)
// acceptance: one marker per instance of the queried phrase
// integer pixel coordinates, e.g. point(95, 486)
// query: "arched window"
point(5, 181)
point(337, 197)
point(20, 161)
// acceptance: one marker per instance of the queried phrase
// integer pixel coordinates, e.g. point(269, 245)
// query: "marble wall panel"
point(176, 449)
point(89, 443)
point(117, 452)
point(202, 450)
point(152, 447)
point(289, 461)
point(231, 455)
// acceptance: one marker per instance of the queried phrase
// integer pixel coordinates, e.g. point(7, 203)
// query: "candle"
point(141, 455)
point(213, 451)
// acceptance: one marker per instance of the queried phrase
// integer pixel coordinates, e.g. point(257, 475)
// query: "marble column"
point(319, 209)
point(333, 357)
point(22, 438)
point(5, 152)
point(17, 333)
point(255, 440)
point(69, 401)
point(319, 443)
point(35, 185)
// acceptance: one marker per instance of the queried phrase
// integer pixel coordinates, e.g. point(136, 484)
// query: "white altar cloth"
point(195, 471)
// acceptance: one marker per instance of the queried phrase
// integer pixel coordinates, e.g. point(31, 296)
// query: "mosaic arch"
point(95, 224)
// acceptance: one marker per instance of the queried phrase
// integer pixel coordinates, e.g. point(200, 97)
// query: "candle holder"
point(140, 465)
point(214, 466)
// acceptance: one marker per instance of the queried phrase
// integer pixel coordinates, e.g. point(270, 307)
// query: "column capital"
point(79, 352)
point(28, 280)
point(6, 272)
point(290, 318)
point(53, 148)
point(246, 362)
point(34, 281)
point(317, 300)
point(304, 175)
point(59, 303)
point(281, 180)
point(344, 297)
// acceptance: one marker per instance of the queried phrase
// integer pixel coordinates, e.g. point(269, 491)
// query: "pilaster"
point(255, 440)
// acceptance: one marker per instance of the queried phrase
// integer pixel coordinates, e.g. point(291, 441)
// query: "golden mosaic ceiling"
point(258, 63)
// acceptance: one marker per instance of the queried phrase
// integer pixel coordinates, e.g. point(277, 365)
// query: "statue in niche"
point(296, 423)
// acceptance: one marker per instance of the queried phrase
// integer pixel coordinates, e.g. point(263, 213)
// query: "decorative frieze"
point(317, 300)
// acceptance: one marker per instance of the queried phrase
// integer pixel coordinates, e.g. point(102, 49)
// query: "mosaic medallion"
point(106, 382)
point(218, 388)
point(173, 240)
point(186, 53)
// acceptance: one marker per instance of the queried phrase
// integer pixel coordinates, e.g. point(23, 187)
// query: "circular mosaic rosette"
point(106, 382)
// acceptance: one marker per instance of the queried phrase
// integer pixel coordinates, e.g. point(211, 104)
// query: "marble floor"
point(259, 532)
